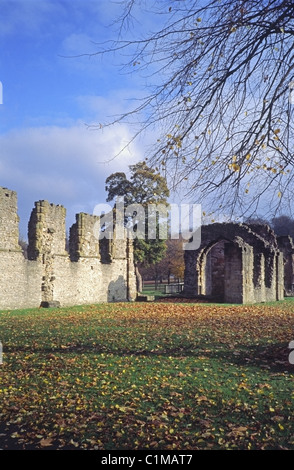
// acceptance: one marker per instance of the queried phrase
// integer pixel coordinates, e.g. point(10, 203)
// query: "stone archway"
point(214, 270)
point(235, 264)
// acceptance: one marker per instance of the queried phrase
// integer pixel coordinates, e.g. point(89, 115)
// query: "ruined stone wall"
point(92, 271)
point(286, 246)
point(9, 221)
point(19, 280)
point(234, 274)
point(82, 241)
point(240, 264)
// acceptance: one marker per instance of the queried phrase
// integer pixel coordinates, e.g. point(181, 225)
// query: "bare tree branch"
point(220, 73)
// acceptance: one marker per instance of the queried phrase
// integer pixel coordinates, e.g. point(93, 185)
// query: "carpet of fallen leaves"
point(147, 376)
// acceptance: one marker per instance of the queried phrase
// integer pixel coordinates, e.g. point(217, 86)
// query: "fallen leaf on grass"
point(47, 442)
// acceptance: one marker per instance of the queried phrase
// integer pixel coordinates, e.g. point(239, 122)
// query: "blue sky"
point(47, 150)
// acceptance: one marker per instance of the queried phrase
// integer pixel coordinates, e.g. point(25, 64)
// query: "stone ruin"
point(235, 263)
point(91, 271)
point(239, 263)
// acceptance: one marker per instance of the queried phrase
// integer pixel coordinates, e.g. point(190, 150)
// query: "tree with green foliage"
point(172, 264)
point(144, 187)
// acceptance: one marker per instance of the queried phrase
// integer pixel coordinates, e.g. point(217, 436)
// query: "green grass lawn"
point(147, 376)
point(150, 290)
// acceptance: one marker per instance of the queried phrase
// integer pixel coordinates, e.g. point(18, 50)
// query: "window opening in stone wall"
point(105, 250)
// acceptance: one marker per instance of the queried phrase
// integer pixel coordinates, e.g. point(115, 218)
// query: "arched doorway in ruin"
point(235, 264)
point(220, 271)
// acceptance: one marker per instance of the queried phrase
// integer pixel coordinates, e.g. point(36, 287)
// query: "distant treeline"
point(282, 225)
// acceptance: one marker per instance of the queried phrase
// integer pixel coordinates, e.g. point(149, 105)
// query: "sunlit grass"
point(148, 376)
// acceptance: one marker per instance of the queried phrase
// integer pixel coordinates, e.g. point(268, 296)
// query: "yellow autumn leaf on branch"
point(234, 166)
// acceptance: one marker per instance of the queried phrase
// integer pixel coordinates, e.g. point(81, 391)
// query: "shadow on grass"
point(273, 357)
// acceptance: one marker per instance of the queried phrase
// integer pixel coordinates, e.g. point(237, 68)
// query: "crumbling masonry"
point(239, 263)
point(92, 271)
point(235, 263)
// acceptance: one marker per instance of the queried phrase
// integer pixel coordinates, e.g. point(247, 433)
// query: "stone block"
point(50, 304)
point(145, 298)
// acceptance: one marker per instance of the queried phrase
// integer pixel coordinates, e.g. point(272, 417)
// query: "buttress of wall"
point(47, 242)
point(19, 278)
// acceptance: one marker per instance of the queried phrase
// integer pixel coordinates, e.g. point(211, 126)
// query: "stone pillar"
point(280, 276)
point(202, 286)
point(248, 273)
point(47, 240)
point(131, 275)
point(286, 246)
point(233, 274)
point(191, 276)
point(258, 278)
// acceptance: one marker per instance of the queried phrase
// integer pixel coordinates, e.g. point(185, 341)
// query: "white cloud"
point(112, 105)
point(27, 16)
point(66, 166)
point(35, 16)
point(77, 44)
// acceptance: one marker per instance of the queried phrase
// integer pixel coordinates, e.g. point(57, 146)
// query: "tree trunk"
point(138, 279)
